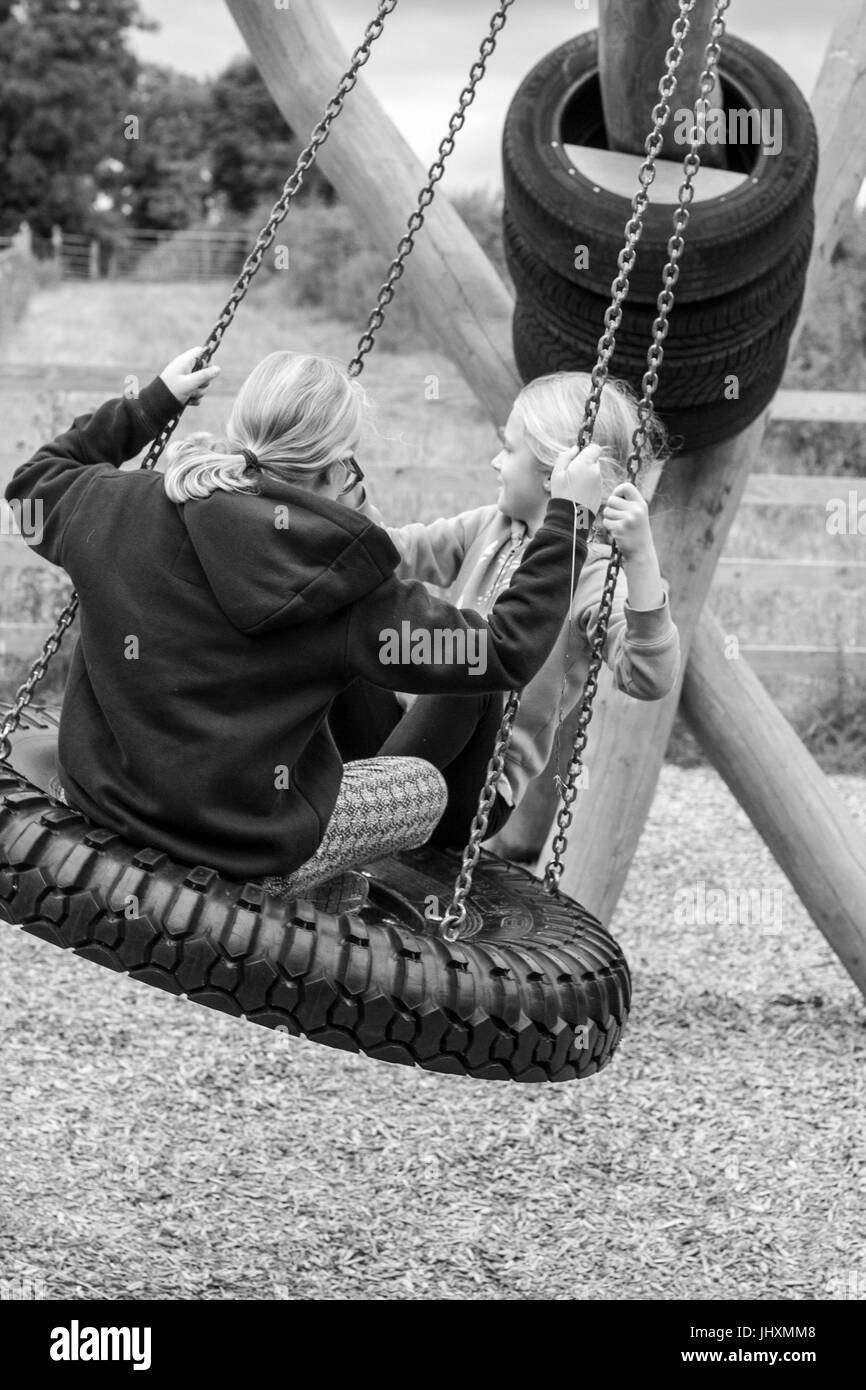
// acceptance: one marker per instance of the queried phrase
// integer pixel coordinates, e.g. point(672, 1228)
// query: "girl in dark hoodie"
point(225, 603)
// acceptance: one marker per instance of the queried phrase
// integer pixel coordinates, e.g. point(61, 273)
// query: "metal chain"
point(453, 922)
point(446, 148)
point(250, 267)
point(655, 356)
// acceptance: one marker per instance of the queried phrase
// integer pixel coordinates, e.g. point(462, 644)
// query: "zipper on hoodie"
point(506, 571)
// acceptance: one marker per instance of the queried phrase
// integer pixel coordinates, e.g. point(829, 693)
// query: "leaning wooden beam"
point(804, 822)
point(365, 157)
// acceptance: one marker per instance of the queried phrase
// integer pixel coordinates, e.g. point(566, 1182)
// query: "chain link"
point(250, 267)
point(446, 148)
point(655, 356)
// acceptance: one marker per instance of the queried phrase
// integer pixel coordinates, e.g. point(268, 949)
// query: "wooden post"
point(806, 824)
point(633, 38)
point(460, 294)
point(24, 240)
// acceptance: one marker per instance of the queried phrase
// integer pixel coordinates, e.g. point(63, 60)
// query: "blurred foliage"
point(334, 265)
point(252, 150)
point(160, 180)
point(65, 75)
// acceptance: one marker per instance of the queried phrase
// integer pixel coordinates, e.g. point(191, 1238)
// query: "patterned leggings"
point(383, 805)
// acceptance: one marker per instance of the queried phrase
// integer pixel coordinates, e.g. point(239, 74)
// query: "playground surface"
point(155, 1150)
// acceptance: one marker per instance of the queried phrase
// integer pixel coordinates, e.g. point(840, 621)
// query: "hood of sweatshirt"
point(285, 556)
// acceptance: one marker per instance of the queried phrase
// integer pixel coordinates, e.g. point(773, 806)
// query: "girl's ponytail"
point(202, 464)
point(294, 417)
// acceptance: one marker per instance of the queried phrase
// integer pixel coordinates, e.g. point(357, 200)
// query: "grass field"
point(155, 1150)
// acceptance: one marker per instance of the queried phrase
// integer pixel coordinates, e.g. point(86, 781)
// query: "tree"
point(161, 178)
point(252, 148)
point(65, 77)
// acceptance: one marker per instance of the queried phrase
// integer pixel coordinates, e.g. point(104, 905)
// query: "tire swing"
point(521, 983)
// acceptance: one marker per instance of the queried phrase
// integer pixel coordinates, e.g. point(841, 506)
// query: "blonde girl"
point(475, 557)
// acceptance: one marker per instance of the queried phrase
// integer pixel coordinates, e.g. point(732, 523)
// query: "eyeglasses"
point(355, 474)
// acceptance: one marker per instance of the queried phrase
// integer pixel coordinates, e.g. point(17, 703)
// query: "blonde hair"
point(298, 414)
point(551, 411)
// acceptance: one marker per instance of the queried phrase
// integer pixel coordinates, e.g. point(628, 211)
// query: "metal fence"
point(135, 254)
point(16, 276)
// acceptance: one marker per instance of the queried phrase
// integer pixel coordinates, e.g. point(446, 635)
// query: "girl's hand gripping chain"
point(185, 384)
point(576, 476)
point(626, 517)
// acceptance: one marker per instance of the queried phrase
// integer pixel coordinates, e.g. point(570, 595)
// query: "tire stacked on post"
point(743, 272)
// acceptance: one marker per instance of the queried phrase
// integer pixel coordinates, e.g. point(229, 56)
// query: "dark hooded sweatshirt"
point(215, 635)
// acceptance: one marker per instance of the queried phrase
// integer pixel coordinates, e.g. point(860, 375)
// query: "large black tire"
point(732, 240)
point(539, 349)
point(743, 272)
point(728, 334)
point(540, 992)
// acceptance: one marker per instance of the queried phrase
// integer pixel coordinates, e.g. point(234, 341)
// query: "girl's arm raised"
point(433, 552)
point(59, 473)
point(402, 638)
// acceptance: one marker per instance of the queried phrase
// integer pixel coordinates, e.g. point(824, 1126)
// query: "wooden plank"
point(842, 407)
point(618, 173)
point(805, 822)
point(786, 574)
point(104, 380)
point(826, 407)
point(803, 490)
point(803, 661)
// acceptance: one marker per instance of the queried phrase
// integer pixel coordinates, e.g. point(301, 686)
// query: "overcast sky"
point(421, 62)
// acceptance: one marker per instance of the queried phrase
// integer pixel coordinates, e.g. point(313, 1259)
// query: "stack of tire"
point(743, 271)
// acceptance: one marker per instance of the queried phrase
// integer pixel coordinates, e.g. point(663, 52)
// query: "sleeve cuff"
point(562, 509)
point(649, 623)
point(503, 786)
point(158, 404)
